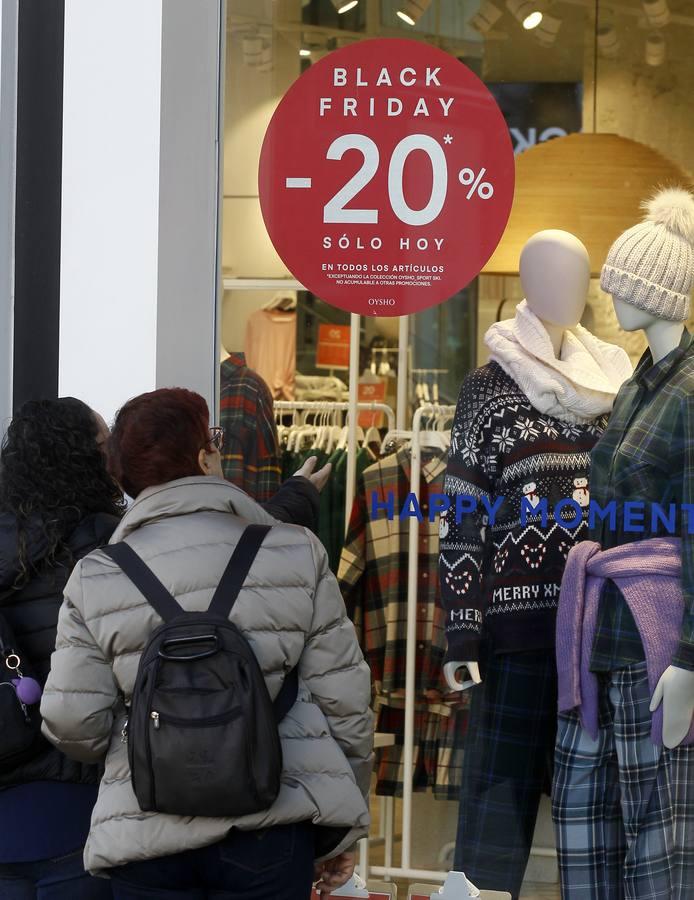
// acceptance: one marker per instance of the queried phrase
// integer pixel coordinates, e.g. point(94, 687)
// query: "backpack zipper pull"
point(25, 711)
point(124, 733)
point(155, 718)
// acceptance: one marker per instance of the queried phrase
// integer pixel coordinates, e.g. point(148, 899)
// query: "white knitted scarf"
point(577, 386)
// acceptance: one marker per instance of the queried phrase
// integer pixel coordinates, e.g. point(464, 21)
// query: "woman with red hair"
point(185, 523)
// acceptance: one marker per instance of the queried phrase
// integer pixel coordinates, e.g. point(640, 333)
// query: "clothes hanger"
point(431, 438)
point(372, 435)
point(283, 301)
point(344, 437)
point(336, 430)
point(392, 437)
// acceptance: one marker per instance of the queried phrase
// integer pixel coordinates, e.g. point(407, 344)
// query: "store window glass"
point(585, 68)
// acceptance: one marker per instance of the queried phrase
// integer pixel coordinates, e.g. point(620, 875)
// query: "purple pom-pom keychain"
point(28, 689)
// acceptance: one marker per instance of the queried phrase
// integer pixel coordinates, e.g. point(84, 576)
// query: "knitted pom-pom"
point(674, 208)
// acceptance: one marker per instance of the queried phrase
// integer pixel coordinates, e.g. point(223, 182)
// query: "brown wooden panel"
point(588, 184)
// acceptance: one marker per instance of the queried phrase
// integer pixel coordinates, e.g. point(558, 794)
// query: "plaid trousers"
point(507, 765)
point(623, 807)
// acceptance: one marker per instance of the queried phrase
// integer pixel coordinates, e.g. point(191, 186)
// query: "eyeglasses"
point(217, 437)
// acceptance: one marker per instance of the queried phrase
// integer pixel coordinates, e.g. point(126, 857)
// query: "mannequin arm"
point(675, 691)
point(450, 673)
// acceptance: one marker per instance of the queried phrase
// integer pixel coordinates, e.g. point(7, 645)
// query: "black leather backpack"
point(202, 729)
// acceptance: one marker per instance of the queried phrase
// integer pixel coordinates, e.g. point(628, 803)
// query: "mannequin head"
point(630, 317)
point(555, 274)
point(663, 335)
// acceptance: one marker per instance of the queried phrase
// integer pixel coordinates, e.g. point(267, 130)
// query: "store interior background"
point(571, 82)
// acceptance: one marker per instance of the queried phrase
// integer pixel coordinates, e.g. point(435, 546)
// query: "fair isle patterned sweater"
point(501, 576)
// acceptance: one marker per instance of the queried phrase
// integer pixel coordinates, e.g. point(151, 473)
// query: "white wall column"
point(8, 129)
point(139, 198)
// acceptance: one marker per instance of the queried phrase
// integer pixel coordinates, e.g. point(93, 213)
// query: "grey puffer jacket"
point(290, 610)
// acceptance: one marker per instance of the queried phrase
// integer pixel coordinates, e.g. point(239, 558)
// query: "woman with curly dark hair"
point(57, 504)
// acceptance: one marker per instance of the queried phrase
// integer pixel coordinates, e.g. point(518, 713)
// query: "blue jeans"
point(63, 878)
point(274, 864)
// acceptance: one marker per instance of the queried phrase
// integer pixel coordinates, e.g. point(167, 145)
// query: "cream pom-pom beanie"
point(651, 265)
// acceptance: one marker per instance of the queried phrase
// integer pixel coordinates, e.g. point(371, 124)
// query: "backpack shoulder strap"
point(226, 594)
point(144, 579)
point(287, 695)
point(237, 569)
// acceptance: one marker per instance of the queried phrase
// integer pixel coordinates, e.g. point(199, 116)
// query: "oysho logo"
point(381, 301)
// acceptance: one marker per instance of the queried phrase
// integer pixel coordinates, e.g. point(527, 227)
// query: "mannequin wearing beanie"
point(660, 313)
point(675, 690)
point(524, 427)
point(624, 778)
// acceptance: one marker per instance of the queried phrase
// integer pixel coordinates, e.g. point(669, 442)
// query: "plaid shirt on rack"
point(251, 456)
point(646, 455)
point(439, 730)
point(373, 573)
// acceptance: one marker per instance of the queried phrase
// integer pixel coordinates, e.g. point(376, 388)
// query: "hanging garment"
point(270, 348)
point(622, 805)
point(250, 458)
point(337, 498)
point(647, 455)
point(507, 766)
point(439, 729)
point(576, 386)
point(503, 575)
point(373, 578)
point(373, 573)
point(331, 518)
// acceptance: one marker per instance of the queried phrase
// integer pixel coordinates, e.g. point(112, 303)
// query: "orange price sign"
point(371, 393)
point(333, 347)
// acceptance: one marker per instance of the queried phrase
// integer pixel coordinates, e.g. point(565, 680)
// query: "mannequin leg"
point(657, 797)
point(586, 808)
point(506, 764)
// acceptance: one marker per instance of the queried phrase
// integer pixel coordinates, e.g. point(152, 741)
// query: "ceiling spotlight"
point(304, 52)
point(657, 12)
point(412, 11)
point(252, 45)
point(547, 31)
point(526, 12)
point(485, 19)
point(655, 49)
point(343, 6)
point(608, 41)
point(533, 20)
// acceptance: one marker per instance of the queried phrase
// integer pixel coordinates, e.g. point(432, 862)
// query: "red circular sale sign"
point(386, 177)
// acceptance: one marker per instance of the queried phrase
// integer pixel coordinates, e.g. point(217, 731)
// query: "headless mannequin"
point(675, 690)
point(555, 275)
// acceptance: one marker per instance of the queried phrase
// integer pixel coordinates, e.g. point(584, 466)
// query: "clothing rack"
point(333, 406)
point(340, 406)
point(405, 870)
point(423, 379)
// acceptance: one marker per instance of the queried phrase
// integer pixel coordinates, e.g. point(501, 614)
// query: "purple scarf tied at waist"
point(648, 573)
